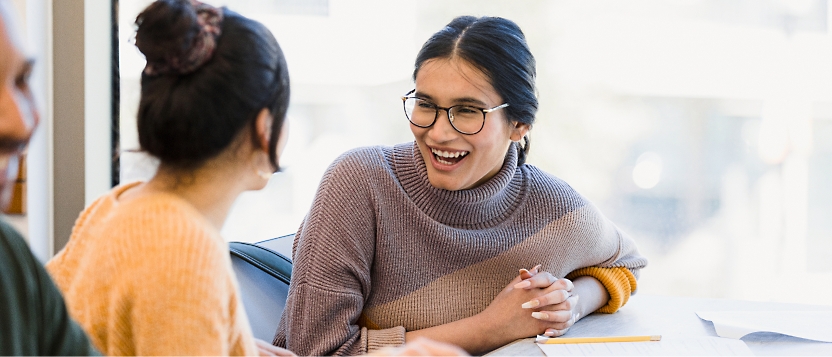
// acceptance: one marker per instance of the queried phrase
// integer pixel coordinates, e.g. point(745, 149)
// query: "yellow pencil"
point(565, 340)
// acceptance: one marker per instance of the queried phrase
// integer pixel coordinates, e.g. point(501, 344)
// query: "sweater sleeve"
point(619, 282)
point(596, 246)
point(331, 277)
point(603, 244)
point(615, 260)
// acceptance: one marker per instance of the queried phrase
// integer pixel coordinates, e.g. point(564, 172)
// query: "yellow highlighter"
point(565, 340)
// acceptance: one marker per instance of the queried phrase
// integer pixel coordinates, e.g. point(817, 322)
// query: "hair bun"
point(177, 36)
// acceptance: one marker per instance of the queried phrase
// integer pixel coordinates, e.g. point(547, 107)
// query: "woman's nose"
point(442, 130)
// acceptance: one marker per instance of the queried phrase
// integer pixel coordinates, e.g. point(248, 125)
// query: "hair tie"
point(202, 48)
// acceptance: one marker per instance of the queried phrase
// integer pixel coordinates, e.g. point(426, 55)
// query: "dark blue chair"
point(263, 275)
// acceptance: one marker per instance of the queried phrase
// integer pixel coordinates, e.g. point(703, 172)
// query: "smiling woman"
point(459, 162)
point(431, 234)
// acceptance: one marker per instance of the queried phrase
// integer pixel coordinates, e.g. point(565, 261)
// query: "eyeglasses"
point(464, 118)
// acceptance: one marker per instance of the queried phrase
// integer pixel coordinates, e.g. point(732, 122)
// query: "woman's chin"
point(446, 182)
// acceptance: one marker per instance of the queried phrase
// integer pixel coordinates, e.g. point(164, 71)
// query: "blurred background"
point(703, 128)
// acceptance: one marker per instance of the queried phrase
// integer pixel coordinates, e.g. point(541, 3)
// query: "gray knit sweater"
point(383, 246)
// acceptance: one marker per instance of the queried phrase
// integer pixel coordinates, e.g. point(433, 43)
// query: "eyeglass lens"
point(464, 119)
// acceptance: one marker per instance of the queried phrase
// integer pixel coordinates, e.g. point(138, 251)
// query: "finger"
point(550, 298)
point(568, 286)
point(554, 332)
point(536, 269)
point(556, 300)
point(557, 320)
point(558, 317)
point(558, 329)
point(561, 284)
point(526, 274)
point(569, 304)
point(539, 280)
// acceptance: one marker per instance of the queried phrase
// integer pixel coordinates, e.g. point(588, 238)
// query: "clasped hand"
point(534, 303)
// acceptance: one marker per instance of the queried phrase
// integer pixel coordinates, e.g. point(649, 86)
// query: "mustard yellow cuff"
point(619, 282)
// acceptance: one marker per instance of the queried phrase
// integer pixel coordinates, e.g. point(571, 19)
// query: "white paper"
point(668, 346)
point(811, 325)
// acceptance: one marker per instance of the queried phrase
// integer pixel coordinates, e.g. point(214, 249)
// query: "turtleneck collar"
point(481, 207)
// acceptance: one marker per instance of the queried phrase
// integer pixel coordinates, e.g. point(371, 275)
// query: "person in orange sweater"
point(146, 271)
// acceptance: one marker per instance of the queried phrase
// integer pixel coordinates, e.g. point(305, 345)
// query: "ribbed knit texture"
point(619, 282)
point(151, 276)
point(382, 243)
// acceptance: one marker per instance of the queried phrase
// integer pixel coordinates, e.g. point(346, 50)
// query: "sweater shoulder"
point(363, 158)
point(545, 182)
point(542, 183)
point(359, 166)
point(150, 225)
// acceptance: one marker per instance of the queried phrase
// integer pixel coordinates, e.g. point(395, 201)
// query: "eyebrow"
point(463, 100)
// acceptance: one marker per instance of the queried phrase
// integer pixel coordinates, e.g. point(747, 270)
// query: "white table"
point(675, 316)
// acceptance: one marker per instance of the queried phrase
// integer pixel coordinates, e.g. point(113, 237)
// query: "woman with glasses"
point(433, 238)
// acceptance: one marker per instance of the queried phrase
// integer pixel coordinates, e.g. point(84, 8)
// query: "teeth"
point(446, 154)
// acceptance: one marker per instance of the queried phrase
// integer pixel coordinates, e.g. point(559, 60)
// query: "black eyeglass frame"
point(448, 111)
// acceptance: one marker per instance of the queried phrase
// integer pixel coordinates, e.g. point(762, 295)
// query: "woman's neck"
point(211, 189)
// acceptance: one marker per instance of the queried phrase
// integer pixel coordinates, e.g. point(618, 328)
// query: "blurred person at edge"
point(431, 233)
point(33, 317)
point(146, 271)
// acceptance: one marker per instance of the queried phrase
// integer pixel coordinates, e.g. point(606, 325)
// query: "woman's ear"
point(519, 130)
point(263, 125)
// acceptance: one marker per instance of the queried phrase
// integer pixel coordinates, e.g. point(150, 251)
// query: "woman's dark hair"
point(186, 119)
point(497, 47)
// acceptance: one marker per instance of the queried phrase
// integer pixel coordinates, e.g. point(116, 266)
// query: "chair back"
point(263, 276)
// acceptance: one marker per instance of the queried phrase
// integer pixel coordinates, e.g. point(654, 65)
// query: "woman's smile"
point(447, 159)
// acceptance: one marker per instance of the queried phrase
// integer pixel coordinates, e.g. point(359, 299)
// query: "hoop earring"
point(264, 175)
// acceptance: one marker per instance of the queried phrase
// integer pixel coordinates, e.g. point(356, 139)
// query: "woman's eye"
point(425, 105)
point(467, 110)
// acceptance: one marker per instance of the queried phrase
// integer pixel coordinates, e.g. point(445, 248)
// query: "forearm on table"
point(473, 335)
point(592, 295)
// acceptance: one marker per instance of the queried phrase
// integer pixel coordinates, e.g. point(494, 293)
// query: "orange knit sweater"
point(151, 276)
